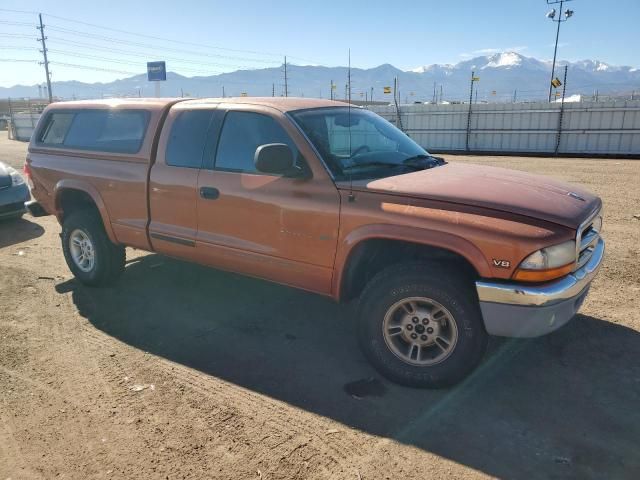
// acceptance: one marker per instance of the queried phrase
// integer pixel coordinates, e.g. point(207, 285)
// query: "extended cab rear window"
point(120, 131)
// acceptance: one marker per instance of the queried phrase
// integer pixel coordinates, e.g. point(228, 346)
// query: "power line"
point(139, 54)
point(17, 24)
point(88, 67)
point(154, 47)
point(16, 35)
point(154, 37)
point(10, 60)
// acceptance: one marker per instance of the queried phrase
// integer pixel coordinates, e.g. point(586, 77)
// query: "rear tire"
point(89, 253)
point(421, 326)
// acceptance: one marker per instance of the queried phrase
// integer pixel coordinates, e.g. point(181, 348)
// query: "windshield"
point(358, 143)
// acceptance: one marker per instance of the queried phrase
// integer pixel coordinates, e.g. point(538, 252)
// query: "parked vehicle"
point(14, 192)
point(328, 198)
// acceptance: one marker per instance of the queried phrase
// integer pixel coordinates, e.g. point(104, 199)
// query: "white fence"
point(21, 125)
point(604, 128)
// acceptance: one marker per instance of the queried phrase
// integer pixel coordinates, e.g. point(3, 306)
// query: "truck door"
point(173, 181)
point(269, 226)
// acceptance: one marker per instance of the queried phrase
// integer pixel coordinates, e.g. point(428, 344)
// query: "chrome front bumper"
point(521, 310)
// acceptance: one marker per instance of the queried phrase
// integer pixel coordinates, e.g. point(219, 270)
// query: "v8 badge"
point(501, 263)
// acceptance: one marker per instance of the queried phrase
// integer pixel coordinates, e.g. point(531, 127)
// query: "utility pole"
point(331, 91)
point(552, 16)
point(371, 96)
point(440, 93)
point(473, 79)
point(435, 95)
point(46, 60)
point(397, 99)
point(286, 82)
point(223, 96)
point(515, 95)
point(273, 89)
point(561, 116)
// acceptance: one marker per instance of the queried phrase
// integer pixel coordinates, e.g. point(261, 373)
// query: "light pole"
point(552, 16)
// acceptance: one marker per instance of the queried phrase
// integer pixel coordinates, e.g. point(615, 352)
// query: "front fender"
point(72, 184)
point(427, 237)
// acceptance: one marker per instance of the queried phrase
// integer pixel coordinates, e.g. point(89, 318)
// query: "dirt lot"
point(184, 372)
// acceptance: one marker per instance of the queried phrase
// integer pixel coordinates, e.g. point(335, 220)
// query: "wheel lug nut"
point(414, 335)
point(409, 327)
point(415, 319)
point(429, 330)
point(425, 321)
point(423, 338)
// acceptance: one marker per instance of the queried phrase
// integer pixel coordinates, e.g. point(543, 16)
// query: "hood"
point(5, 178)
point(495, 188)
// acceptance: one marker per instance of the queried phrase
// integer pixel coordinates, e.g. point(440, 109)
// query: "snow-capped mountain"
point(508, 74)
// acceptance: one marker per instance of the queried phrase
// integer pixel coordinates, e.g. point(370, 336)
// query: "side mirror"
point(275, 158)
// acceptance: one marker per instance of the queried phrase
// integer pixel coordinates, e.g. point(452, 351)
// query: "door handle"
point(209, 193)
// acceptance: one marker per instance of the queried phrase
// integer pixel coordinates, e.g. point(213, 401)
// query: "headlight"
point(548, 263)
point(16, 178)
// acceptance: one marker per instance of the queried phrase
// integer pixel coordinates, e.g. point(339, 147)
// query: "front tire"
point(421, 326)
point(89, 253)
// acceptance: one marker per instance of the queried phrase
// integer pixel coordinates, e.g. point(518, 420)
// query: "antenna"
point(349, 94)
point(351, 197)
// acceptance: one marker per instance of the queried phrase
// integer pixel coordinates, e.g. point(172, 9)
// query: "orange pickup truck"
point(325, 197)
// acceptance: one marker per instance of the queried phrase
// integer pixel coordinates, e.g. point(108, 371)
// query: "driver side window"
point(363, 134)
point(242, 133)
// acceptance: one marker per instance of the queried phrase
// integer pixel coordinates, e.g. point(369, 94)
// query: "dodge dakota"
point(325, 197)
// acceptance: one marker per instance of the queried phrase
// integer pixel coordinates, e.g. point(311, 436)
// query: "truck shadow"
point(562, 406)
point(18, 231)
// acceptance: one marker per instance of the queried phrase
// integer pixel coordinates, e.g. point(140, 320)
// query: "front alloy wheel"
point(420, 331)
point(420, 325)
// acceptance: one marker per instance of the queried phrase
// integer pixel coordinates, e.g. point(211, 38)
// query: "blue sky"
point(404, 33)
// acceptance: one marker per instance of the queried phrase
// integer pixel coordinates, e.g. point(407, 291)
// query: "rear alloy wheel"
point(82, 251)
point(420, 325)
point(89, 253)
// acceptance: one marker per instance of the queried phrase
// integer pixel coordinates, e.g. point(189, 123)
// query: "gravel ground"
point(184, 372)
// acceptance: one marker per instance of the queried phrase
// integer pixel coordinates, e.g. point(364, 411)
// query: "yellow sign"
point(556, 82)
point(333, 87)
point(243, 94)
point(386, 89)
point(475, 79)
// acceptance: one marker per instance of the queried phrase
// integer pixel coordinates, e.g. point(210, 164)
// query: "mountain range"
point(501, 76)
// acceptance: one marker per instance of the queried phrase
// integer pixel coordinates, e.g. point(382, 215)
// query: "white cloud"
point(491, 51)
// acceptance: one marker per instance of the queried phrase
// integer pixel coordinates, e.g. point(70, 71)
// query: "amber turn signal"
point(523, 275)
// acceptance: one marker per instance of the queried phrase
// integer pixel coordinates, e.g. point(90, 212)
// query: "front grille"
point(587, 239)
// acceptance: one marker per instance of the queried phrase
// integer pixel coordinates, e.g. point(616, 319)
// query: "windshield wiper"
point(386, 164)
point(429, 161)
